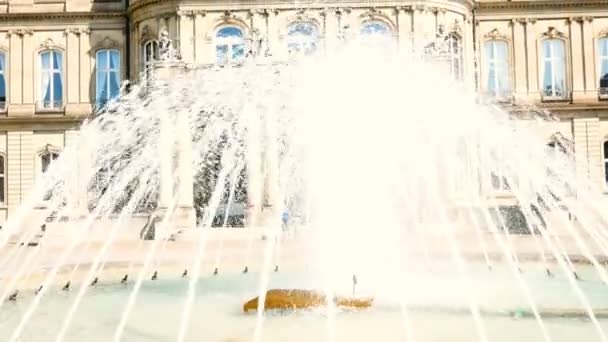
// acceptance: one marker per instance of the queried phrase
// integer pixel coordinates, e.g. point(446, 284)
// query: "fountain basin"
point(279, 299)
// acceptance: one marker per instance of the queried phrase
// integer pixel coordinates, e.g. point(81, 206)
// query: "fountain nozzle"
point(576, 275)
point(276, 268)
point(155, 275)
point(38, 290)
point(185, 274)
point(549, 274)
point(246, 270)
point(13, 297)
point(215, 271)
point(94, 282)
point(354, 283)
point(124, 279)
point(66, 287)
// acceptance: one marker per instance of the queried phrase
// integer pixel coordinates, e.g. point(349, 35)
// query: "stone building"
point(61, 59)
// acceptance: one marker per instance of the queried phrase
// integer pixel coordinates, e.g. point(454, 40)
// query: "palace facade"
point(62, 59)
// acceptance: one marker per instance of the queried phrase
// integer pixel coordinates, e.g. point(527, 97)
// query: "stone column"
point(274, 41)
point(591, 85)
point(533, 73)
point(576, 59)
point(332, 29)
point(520, 83)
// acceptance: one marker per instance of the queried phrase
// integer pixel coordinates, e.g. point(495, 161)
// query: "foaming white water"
point(377, 151)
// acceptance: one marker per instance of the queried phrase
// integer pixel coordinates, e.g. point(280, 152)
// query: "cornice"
point(542, 4)
point(58, 16)
point(48, 121)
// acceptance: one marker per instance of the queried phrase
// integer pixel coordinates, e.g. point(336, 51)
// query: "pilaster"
point(532, 59)
point(519, 56)
point(16, 67)
point(404, 20)
point(186, 35)
point(332, 29)
point(72, 64)
point(28, 74)
point(274, 40)
point(587, 143)
point(86, 57)
point(200, 36)
point(591, 84)
point(576, 58)
point(20, 165)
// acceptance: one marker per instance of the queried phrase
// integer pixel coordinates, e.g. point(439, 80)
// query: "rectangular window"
point(497, 66)
point(2, 178)
point(603, 67)
point(554, 69)
point(108, 76)
point(51, 92)
point(2, 82)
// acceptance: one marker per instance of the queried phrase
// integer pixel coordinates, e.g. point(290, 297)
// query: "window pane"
point(489, 50)
point(2, 62)
point(45, 160)
point(375, 28)
point(547, 48)
point(45, 60)
point(221, 53)
point(230, 31)
point(46, 88)
point(114, 84)
point(547, 79)
point(603, 47)
point(1, 165)
point(238, 52)
point(101, 87)
point(2, 197)
point(604, 74)
point(2, 89)
point(558, 49)
point(102, 60)
point(57, 89)
point(114, 60)
point(605, 149)
point(492, 78)
point(560, 78)
point(57, 60)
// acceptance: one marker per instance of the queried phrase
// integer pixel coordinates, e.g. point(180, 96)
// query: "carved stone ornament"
point(228, 16)
point(552, 32)
point(495, 34)
point(603, 33)
point(107, 43)
point(49, 44)
point(20, 32)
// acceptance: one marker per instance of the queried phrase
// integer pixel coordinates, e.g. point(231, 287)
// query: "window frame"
point(602, 91)
point(495, 61)
point(301, 40)
point(4, 74)
point(107, 72)
point(52, 71)
point(217, 41)
point(3, 179)
point(542, 59)
point(455, 57)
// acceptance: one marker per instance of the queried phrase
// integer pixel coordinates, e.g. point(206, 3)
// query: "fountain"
point(400, 183)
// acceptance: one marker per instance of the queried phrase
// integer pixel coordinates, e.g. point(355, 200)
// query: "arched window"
point(47, 158)
point(497, 66)
point(302, 38)
point(603, 56)
point(51, 92)
point(554, 68)
point(107, 63)
point(2, 178)
point(454, 55)
point(2, 81)
point(375, 28)
point(229, 45)
point(149, 52)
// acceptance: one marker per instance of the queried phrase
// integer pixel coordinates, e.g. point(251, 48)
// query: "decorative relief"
point(553, 32)
point(107, 43)
point(495, 34)
point(49, 44)
point(603, 33)
point(20, 32)
point(77, 31)
point(228, 16)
